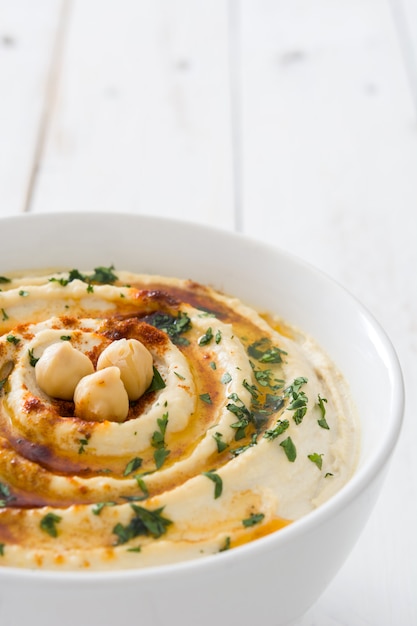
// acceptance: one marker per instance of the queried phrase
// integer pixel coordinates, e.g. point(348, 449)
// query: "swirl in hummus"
point(245, 426)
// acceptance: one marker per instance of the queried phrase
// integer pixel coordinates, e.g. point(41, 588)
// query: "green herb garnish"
point(251, 388)
point(265, 378)
point(226, 545)
point(103, 276)
point(5, 495)
point(133, 465)
point(13, 339)
point(255, 518)
point(317, 459)
point(279, 428)
point(158, 441)
point(157, 381)
point(244, 416)
point(97, 508)
point(297, 399)
point(48, 524)
point(142, 485)
point(221, 445)
point(173, 326)
point(83, 442)
point(218, 483)
point(205, 397)
point(144, 522)
point(206, 338)
point(241, 449)
point(135, 549)
point(289, 449)
point(322, 421)
point(32, 359)
point(264, 352)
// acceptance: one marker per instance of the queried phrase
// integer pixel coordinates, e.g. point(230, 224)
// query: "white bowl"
point(271, 580)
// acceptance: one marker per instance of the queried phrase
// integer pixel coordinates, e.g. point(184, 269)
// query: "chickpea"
point(60, 368)
point(134, 362)
point(101, 396)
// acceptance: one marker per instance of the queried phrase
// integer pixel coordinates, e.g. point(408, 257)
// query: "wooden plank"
point(330, 143)
point(142, 113)
point(405, 18)
point(328, 173)
point(27, 39)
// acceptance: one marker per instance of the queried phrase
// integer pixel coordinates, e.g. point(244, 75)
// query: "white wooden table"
point(290, 120)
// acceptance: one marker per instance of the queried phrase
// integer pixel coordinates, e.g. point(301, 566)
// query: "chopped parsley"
point(23, 293)
point(289, 449)
point(255, 518)
point(226, 545)
point(218, 483)
point(144, 522)
point(265, 378)
point(226, 378)
point(133, 465)
point(264, 352)
point(221, 445)
point(48, 524)
point(1, 549)
point(262, 411)
point(241, 449)
point(174, 327)
point(97, 508)
point(317, 459)
point(5, 495)
point(279, 428)
point(4, 314)
point(243, 415)
point(83, 442)
point(205, 397)
point(297, 399)
point(322, 421)
point(101, 275)
point(206, 338)
point(61, 281)
point(142, 485)
point(157, 381)
point(158, 441)
point(32, 359)
point(4, 279)
point(13, 339)
point(251, 388)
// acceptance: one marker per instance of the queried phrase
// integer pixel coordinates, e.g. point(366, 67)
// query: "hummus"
point(245, 427)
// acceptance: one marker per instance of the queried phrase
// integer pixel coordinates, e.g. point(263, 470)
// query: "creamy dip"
point(246, 426)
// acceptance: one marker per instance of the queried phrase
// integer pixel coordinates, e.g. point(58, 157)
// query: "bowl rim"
point(359, 482)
